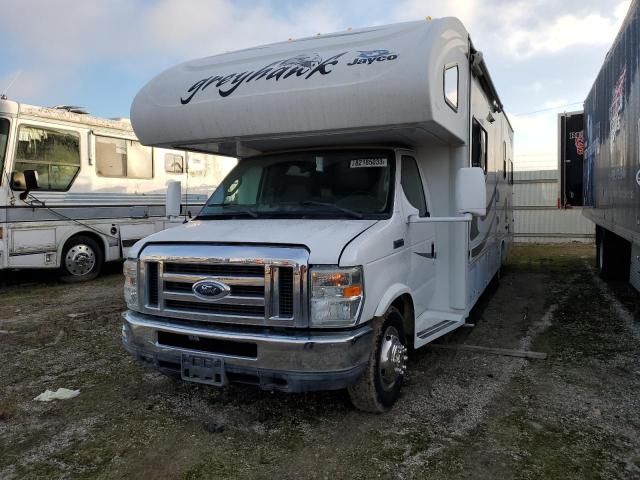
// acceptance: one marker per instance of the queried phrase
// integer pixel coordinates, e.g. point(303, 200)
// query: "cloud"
point(24, 83)
point(466, 10)
point(203, 27)
point(552, 35)
point(555, 103)
point(61, 46)
point(65, 40)
point(535, 141)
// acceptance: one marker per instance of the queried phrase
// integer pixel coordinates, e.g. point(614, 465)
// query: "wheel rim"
point(393, 359)
point(80, 260)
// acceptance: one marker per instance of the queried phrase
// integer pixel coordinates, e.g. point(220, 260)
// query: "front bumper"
point(289, 360)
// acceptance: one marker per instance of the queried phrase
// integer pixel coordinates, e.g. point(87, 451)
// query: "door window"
point(412, 185)
point(53, 153)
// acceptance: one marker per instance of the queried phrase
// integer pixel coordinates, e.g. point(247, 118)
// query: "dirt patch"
point(462, 414)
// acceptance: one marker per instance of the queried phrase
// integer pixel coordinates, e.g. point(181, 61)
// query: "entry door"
point(421, 238)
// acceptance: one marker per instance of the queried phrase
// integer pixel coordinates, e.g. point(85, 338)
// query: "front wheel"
point(81, 260)
point(379, 386)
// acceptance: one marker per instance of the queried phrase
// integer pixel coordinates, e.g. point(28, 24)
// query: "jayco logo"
point(367, 57)
point(301, 66)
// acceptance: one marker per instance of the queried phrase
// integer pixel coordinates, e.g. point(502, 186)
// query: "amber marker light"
point(352, 291)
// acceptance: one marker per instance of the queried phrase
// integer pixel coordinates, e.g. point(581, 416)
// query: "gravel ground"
point(462, 414)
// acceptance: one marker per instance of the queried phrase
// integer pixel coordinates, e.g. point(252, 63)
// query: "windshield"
point(328, 184)
point(4, 137)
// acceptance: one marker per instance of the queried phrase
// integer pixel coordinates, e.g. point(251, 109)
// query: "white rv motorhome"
point(98, 189)
point(370, 208)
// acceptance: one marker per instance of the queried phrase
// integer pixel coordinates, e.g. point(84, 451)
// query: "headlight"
point(336, 296)
point(130, 270)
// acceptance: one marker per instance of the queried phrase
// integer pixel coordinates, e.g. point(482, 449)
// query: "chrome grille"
point(267, 284)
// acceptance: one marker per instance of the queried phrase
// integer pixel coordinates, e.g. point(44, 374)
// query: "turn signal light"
point(352, 291)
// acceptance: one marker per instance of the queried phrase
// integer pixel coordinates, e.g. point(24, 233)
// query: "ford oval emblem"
point(210, 290)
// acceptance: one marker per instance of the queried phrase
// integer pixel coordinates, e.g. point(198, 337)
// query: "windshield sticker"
point(368, 162)
point(367, 57)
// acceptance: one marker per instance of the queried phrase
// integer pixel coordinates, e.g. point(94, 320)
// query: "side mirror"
point(30, 183)
point(471, 191)
point(174, 197)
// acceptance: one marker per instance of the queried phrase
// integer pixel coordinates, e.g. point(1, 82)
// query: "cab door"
point(420, 237)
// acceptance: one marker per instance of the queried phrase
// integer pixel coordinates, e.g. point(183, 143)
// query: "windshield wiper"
point(353, 213)
point(237, 208)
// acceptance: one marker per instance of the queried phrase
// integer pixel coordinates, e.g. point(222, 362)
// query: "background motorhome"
point(100, 190)
point(394, 180)
point(612, 155)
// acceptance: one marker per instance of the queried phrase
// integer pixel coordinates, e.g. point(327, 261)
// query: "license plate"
point(209, 370)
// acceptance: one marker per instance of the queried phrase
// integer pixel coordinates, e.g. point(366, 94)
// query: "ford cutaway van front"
point(270, 277)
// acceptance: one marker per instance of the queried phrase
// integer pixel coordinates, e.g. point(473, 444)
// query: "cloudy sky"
point(542, 54)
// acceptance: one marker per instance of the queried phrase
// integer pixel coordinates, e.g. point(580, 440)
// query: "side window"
point(451, 86)
point(111, 156)
point(478, 146)
point(118, 157)
point(412, 185)
point(53, 153)
point(173, 163)
point(504, 159)
point(139, 160)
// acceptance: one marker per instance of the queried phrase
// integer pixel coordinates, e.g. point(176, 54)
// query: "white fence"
point(536, 213)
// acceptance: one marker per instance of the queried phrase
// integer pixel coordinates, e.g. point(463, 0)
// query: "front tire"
point(82, 260)
point(379, 386)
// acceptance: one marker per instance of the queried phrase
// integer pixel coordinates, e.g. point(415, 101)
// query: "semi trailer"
point(612, 155)
point(369, 210)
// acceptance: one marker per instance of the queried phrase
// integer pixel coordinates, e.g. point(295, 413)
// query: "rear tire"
point(81, 261)
point(379, 386)
point(613, 255)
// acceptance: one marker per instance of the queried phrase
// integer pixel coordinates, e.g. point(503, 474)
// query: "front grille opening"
point(247, 291)
point(285, 290)
point(216, 308)
point(211, 345)
point(152, 281)
point(213, 269)
point(247, 378)
point(178, 287)
point(238, 290)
